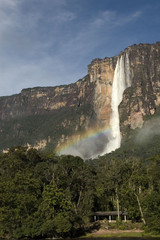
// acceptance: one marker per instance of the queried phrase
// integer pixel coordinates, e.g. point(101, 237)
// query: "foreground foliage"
point(42, 195)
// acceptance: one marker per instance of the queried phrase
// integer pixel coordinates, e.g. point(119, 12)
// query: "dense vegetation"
point(43, 195)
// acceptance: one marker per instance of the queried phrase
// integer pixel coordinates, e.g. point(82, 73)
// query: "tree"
point(76, 179)
point(152, 212)
point(53, 213)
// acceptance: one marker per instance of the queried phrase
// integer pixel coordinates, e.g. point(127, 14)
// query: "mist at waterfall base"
point(88, 148)
point(150, 129)
point(103, 142)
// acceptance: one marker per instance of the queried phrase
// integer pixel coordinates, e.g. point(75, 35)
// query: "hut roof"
point(109, 213)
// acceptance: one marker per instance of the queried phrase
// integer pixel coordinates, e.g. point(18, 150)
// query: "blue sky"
point(51, 42)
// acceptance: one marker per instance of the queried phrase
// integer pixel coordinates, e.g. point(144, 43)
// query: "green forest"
point(44, 195)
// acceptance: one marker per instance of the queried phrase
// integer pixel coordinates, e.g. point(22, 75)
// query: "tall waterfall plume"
point(121, 81)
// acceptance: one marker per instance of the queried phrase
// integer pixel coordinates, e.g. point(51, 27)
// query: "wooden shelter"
point(110, 215)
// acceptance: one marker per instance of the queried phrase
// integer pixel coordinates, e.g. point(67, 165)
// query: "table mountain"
point(92, 116)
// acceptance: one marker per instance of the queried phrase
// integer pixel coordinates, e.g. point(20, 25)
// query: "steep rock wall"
point(38, 114)
point(101, 72)
point(142, 99)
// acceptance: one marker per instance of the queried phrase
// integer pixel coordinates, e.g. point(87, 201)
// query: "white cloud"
point(109, 16)
point(64, 16)
point(7, 14)
point(105, 17)
point(8, 3)
point(123, 20)
point(112, 19)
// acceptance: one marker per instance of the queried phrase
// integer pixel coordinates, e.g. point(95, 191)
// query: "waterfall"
point(121, 81)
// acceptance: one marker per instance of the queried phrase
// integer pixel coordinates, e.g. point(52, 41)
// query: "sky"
point(51, 42)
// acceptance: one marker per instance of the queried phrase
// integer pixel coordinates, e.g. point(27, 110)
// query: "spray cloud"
point(150, 129)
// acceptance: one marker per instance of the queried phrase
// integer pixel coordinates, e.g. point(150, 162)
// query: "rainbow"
point(77, 139)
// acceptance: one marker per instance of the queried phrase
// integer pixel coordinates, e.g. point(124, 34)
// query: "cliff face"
point(42, 100)
point(43, 116)
point(142, 99)
point(101, 72)
point(51, 116)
